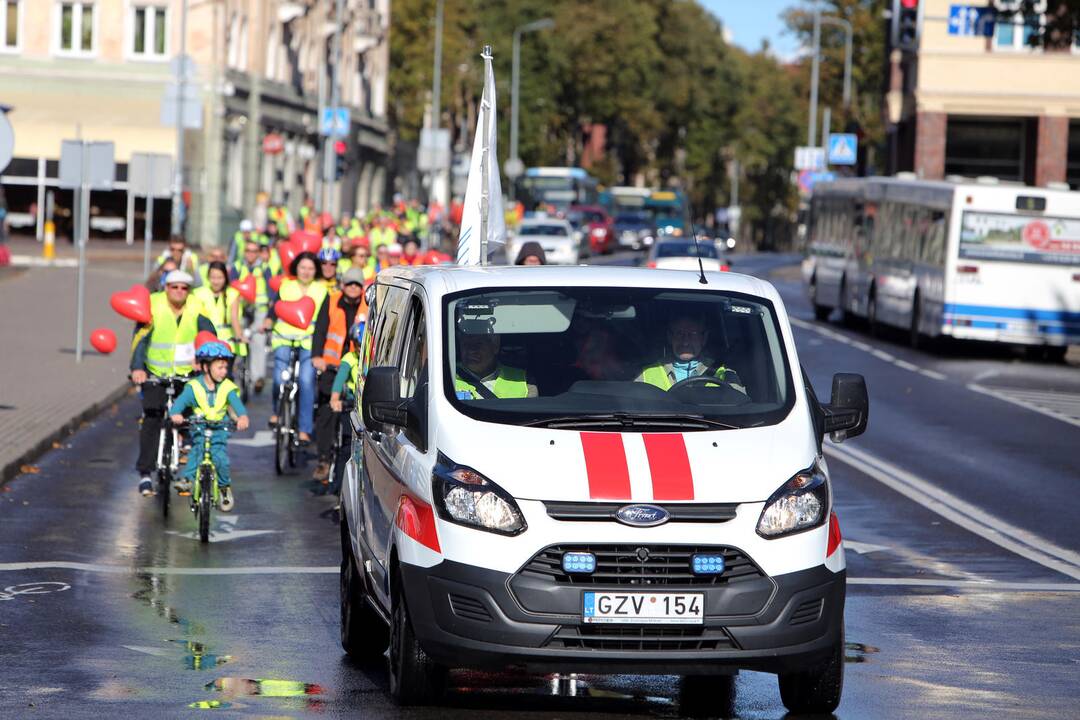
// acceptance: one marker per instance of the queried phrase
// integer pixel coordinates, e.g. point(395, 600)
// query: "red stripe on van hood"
point(605, 465)
point(669, 464)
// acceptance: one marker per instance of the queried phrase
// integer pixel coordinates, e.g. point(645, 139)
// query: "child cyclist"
point(212, 397)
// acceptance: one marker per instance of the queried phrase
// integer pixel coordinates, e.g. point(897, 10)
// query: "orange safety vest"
point(337, 333)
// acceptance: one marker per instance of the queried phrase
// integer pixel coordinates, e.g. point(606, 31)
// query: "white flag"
point(484, 188)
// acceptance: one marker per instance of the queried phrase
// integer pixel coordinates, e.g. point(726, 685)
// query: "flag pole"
point(485, 200)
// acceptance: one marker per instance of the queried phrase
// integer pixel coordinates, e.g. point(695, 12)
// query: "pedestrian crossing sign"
point(843, 148)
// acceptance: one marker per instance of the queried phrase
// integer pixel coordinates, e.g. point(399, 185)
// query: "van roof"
point(444, 279)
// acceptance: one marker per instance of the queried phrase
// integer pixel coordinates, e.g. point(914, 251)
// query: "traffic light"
point(341, 164)
point(905, 25)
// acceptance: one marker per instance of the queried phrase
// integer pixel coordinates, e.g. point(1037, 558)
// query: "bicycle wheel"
point(282, 440)
point(206, 500)
point(292, 438)
point(164, 476)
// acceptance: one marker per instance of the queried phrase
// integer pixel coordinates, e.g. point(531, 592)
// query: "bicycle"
point(205, 491)
point(241, 369)
point(342, 447)
point(286, 432)
point(168, 454)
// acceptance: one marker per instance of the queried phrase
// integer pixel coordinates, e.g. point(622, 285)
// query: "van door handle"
point(375, 436)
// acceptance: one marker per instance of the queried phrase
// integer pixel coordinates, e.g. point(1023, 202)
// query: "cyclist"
point(213, 255)
point(254, 262)
point(184, 258)
point(220, 302)
point(328, 264)
point(212, 396)
point(302, 284)
point(340, 312)
point(164, 347)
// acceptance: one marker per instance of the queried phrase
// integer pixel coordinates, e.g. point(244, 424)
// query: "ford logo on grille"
point(642, 515)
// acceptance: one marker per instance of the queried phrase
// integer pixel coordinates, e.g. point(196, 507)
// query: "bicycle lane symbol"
point(38, 588)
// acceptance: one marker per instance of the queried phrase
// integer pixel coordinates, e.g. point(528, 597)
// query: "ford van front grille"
point(612, 637)
point(642, 565)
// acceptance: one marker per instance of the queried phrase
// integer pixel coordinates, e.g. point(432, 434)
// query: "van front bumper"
point(465, 616)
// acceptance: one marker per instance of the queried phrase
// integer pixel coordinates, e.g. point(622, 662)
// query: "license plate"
point(643, 608)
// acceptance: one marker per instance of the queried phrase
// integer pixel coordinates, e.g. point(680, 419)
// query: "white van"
point(592, 469)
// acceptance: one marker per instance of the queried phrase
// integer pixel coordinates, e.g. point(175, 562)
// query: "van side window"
point(385, 340)
point(414, 355)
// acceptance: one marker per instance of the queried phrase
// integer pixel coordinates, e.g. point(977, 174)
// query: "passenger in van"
point(687, 338)
point(479, 363)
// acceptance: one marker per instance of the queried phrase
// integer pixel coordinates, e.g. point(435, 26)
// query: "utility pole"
point(514, 163)
point(436, 101)
point(814, 71)
point(335, 99)
point(181, 76)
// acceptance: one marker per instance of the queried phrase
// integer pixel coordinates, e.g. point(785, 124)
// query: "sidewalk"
point(27, 252)
point(44, 393)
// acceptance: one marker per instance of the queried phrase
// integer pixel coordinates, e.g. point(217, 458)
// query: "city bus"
point(976, 261)
point(559, 187)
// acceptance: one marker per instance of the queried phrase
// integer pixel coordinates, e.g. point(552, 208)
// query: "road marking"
point(866, 348)
point(150, 570)
point(35, 261)
point(261, 438)
point(156, 652)
point(984, 585)
point(863, 548)
point(223, 536)
point(1058, 405)
point(35, 588)
point(1017, 540)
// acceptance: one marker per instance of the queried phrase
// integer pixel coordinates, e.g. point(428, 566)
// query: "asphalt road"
point(963, 600)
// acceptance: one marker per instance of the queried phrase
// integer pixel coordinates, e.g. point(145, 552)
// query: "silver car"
point(555, 235)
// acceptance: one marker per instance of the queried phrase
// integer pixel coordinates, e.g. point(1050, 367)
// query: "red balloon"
point(287, 251)
point(204, 337)
point(103, 340)
point(246, 288)
point(132, 304)
point(275, 282)
point(298, 313)
point(306, 241)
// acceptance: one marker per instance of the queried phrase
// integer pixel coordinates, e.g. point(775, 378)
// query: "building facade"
point(981, 99)
point(260, 73)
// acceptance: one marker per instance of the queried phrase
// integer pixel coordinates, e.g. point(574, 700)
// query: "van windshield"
point(616, 358)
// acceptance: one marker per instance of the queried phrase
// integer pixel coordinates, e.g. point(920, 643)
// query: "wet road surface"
point(963, 598)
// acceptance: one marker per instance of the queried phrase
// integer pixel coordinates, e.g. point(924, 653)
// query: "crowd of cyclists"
point(199, 316)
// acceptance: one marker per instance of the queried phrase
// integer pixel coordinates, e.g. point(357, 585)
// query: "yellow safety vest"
point(262, 295)
point(290, 290)
point(353, 361)
point(657, 375)
point(510, 383)
point(274, 262)
point(172, 344)
point(216, 411)
point(217, 309)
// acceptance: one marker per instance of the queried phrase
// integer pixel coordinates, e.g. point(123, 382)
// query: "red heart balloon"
point(204, 337)
point(306, 241)
point(246, 288)
point(275, 282)
point(132, 304)
point(298, 313)
point(287, 251)
point(103, 340)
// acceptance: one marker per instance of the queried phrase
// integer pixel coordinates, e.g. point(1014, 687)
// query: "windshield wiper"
point(632, 420)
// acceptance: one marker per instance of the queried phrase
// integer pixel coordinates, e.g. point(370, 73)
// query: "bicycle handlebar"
point(197, 422)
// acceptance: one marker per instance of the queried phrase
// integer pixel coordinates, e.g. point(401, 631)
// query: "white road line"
point(990, 586)
point(35, 261)
point(866, 348)
point(1009, 397)
point(129, 570)
point(1014, 539)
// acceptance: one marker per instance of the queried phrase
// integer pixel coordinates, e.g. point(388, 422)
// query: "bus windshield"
point(586, 356)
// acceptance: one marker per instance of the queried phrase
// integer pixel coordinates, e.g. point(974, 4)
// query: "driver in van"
point(479, 364)
point(687, 338)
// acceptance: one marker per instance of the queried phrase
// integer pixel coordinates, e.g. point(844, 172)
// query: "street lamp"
point(513, 166)
point(819, 19)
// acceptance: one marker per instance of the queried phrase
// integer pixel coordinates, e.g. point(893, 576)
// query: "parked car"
point(671, 253)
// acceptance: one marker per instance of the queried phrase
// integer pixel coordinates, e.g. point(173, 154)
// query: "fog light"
point(578, 562)
point(703, 564)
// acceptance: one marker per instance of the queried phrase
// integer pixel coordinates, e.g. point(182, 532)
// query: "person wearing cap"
point(531, 253)
point(343, 309)
point(394, 251)
point(164, 348)
point(240, 237)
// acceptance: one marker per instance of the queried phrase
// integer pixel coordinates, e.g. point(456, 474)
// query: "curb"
point(11, 469)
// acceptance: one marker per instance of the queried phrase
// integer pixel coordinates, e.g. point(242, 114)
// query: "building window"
point(9, 24)
point(148, 31)
point(1016, 33)
point(76, 32)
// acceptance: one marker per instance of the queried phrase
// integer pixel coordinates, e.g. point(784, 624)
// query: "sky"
point(748, 21)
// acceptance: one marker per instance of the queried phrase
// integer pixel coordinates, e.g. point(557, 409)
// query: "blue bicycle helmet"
point(357, 331)
point(214, 351)
point(329, 254)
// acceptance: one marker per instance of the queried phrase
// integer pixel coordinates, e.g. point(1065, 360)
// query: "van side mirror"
point(381, 404)
point(848, 410)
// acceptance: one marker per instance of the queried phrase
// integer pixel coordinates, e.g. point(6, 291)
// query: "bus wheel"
point(821, 312)
point(871, 314)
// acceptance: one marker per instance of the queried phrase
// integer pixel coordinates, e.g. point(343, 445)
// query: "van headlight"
point(466, 497)
point(800, 504)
